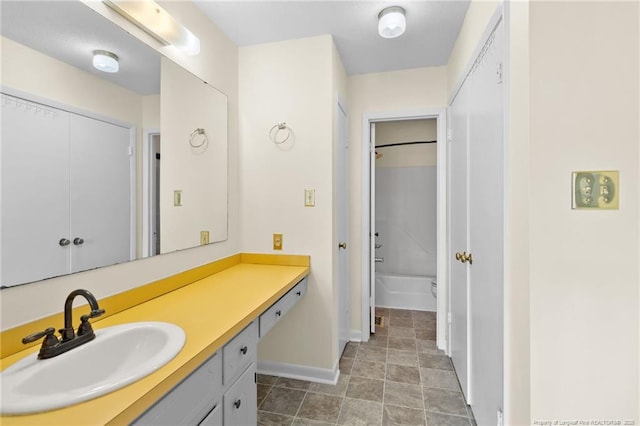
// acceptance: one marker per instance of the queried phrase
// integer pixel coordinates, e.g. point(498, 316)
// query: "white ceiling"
point(70, 31)
point(432, 28)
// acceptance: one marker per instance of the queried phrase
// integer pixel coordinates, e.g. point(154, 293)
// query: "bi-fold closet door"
point(65, 192)
point(476, 231)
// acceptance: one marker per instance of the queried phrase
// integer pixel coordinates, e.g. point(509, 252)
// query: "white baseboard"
point(300, 372)
point(355, 336)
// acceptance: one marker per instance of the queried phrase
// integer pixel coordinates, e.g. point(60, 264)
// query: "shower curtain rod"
point(404, 143)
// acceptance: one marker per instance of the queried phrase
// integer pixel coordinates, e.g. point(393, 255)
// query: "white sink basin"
point(118, 356)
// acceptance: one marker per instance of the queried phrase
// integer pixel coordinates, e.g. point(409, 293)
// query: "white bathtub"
point(405, 292)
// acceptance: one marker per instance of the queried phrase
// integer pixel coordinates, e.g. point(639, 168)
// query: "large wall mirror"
point(100, 168)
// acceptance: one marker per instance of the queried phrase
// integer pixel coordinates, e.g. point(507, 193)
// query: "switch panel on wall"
point(596, 190)
point(277, 241)
point(309, 197)
point(177, 198)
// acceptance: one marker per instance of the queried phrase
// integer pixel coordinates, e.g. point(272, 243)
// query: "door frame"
point(442, 222)
point(147, 175)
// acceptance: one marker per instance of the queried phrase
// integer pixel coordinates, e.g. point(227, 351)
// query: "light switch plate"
point(277, 241)
point(204, 237)
point(177, 198)
point(594, 190)
point(309, 197)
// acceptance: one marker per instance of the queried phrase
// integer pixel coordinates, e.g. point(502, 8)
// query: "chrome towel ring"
point(273, 133)
point(195, 133)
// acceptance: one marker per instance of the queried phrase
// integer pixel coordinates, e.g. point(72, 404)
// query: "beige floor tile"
point(272, 419)
point(404, 332)
point(402, 344)
point(357, 412)
point(442, 401)
point(322, 407)
point(368, 369)
point(403, 374)
point(372, 353)
point(283, 401)
point(403, 395)
point(446, 420)
point(398, 357)
point(393, 415)
point(442, 362)
point(285, 382)
point(363, 388)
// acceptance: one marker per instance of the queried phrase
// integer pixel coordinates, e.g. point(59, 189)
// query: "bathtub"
point(405, 292)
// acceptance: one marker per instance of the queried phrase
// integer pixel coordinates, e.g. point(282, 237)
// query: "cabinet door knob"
point(78, 241)
point(237, 403)
point(243, 350)
point(278, 312)
point(64, 242)
point(299, 293)
point(342, 245)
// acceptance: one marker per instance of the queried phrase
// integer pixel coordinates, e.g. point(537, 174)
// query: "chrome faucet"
point(52, 346)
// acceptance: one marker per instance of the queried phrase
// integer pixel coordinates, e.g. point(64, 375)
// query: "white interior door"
point(486, 234)
point(372, 229)
point(342, 190)
point(35, 191)
point(459, 279)
point(100, 193)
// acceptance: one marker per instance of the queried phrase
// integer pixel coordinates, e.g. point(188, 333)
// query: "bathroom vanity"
point(212, 380)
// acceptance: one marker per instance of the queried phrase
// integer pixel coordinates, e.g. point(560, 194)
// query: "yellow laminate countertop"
point(211, 311)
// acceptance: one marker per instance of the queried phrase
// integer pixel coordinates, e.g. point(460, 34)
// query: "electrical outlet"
point(204, 237)
point(277, 241)
point(596, 189)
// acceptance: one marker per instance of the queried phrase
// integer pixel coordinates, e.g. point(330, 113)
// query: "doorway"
point(151, 194)
point(369, 220)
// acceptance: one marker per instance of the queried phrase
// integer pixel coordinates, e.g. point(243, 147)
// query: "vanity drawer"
point(191, 400)
point(239, 353)
point(281, 307)
point(241, 400)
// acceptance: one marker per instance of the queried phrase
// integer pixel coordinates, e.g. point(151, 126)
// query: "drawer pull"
point(243, 350)
point(299, 293)
point(237, 403)
point(278, 312)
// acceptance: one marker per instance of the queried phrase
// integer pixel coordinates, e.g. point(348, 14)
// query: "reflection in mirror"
point(82, 186)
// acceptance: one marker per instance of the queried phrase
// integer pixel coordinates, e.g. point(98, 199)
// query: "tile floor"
point(399, 377)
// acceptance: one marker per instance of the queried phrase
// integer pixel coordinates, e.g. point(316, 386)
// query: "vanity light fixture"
point(392, 22)
point(105, 61)
point(158, 23)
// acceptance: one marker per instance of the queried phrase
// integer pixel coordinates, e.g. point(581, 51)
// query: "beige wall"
point(397, 91)
point(291, 81)
point(218, 65)
point(388, 132)
point(475, 23)
point(151, 112)
point(30, 71)
point(584, 264)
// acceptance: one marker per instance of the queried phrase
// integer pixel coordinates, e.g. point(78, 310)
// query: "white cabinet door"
point(35, 191)
point(100, 193)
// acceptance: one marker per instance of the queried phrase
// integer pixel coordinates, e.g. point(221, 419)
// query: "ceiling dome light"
point(105, 61)
point(392, 22)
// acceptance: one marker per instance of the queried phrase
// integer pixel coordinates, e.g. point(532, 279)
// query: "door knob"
point(342, 245)
point(78, 241)
point(462, 257)
point(64, 242)
point(469, 258)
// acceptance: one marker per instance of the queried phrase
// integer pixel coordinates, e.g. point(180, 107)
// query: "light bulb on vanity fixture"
point(158, 23)
point(105, 61)
point(392, 22)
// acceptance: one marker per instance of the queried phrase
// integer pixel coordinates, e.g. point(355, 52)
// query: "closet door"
point(35, 191)
point(100, 193)
point(459, 272)
point(486, 223)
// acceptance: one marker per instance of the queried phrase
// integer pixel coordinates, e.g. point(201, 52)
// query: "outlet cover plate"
point(595, 190)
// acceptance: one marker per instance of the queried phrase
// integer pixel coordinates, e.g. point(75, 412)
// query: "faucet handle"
point(49, 337)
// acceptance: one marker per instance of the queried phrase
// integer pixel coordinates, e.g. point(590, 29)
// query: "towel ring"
point(196, 132)
point(274, 135)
